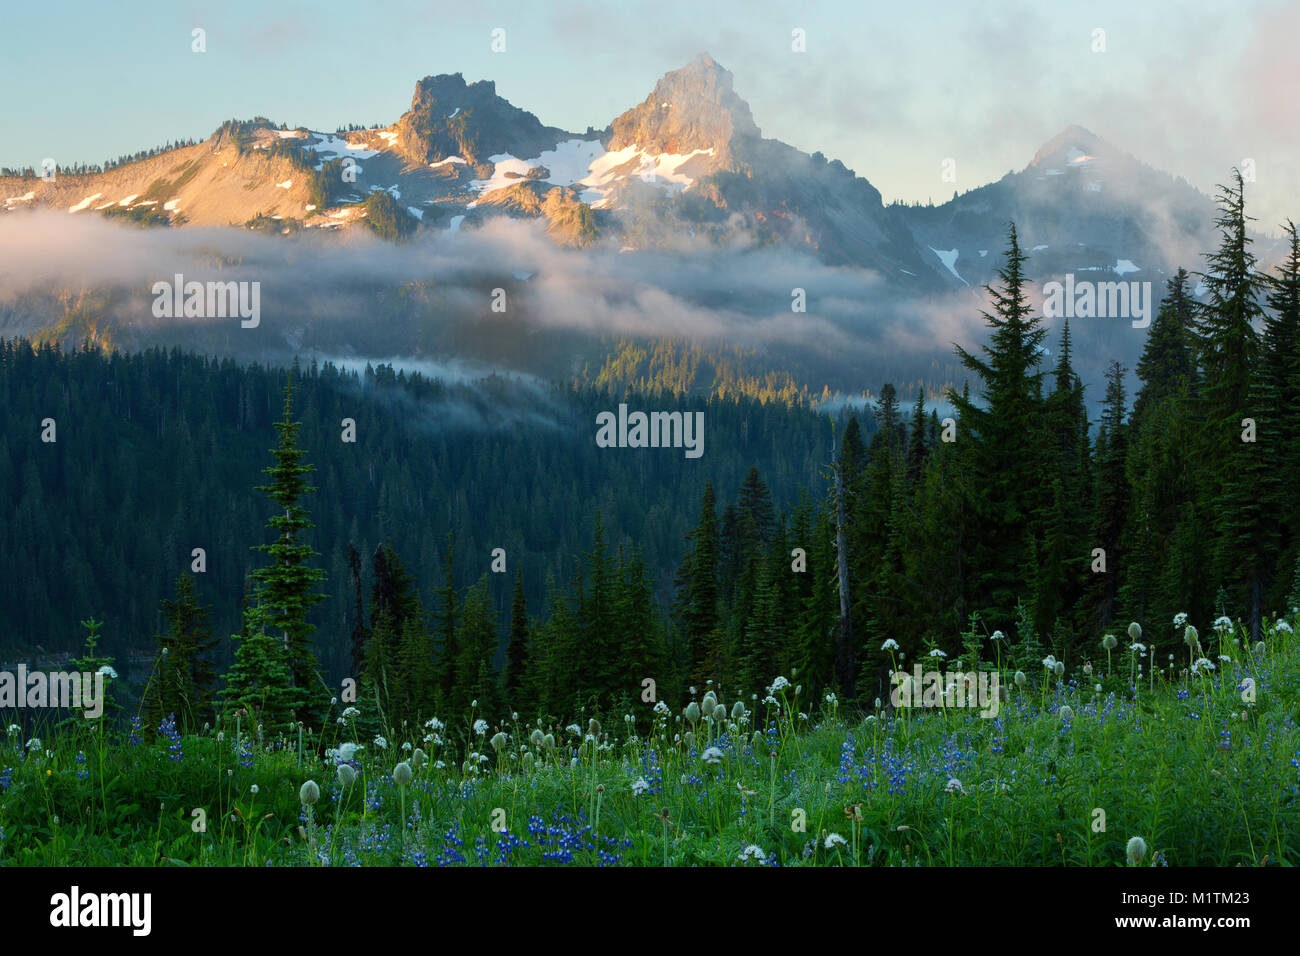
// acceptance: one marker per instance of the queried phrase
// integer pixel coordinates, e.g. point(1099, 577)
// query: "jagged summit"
point(449, 117)
point(692, 108)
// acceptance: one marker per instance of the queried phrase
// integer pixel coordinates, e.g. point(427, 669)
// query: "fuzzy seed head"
point(1136, 849)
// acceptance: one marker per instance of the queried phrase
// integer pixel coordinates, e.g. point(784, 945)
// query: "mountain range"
point(685, 172)
point(689, 159)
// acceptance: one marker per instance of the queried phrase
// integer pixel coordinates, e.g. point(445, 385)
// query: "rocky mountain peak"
point(449, 117)
point(692, 108)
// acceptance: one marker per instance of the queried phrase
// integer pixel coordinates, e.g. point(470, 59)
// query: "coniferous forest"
point(1016, 517)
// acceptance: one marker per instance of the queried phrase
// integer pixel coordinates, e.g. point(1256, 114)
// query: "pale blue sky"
point(1192, 87)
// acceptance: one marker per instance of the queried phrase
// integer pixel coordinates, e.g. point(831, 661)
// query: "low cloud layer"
point(355, 298)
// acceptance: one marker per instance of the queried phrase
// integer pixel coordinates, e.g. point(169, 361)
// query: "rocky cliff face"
point(449, 117)
point(694, 108)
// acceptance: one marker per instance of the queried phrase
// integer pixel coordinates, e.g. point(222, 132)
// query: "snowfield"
point(585, 165)
point(84, 203)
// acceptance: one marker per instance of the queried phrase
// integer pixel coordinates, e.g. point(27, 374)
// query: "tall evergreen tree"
point(1111, 497)
point(1279, 378)
point(1165, 539)
point(697, 584)
point(1005, 437)
point(517, 650)
point(917, 446)
point(1229, 354)
point(287, 595)
point(1063, 553)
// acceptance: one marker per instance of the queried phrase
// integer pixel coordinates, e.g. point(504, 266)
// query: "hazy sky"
point(1192, 87)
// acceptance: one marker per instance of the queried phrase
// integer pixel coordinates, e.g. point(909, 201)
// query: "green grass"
point(1203, 777)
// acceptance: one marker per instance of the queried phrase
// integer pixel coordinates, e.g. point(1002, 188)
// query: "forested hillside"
point(157, 453)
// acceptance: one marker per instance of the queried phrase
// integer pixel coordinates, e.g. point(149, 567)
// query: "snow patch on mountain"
point(331, 147)
point(949, 258)
point(663, 170)
point(78, 207)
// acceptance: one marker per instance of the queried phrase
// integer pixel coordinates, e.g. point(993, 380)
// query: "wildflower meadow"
point(1185, 758)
